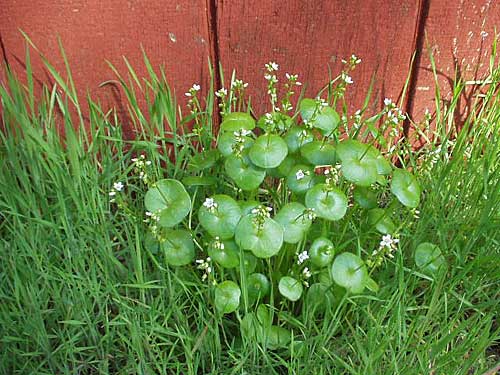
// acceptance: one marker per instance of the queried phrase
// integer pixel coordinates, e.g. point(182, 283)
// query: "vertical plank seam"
point(213, 36)
point(421, 21)
point(4, 52)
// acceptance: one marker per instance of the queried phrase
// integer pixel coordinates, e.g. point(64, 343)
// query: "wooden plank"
point(175, 34)
point(459, 34)
point(305, 37)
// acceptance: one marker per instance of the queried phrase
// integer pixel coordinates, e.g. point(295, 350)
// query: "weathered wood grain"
point(307, 37)
point(459, 34)
point(175, 34)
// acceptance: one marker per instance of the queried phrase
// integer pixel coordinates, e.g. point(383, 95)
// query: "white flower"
point(355, 59)
point(348, 79)
point(302, 257)
point(307, 274)
point(112, 193)
point(300, 174)
point(272, 66)
point(220, 93)
point(387, 102)
point(118, 186)
point(196, 87)
point(188, 94)
point(210, 203)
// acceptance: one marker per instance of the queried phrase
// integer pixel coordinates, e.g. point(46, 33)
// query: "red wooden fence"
point(303, 36)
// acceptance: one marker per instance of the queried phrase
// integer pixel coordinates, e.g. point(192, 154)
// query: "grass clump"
point(92, 283)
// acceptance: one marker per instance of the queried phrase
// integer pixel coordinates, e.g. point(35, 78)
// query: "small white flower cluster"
point(354, 60)
point(346, 78)
point(193, 90)
point(221, 93)
point(204, 265)
point(272, 80)
point(218, 244)
point(387, 246)
point(302, 257)
point(394, 114)
point(117, 187)
point(269, 120)
point(140, 167)
point(300, 174)
point(210, 204)
point(306, 274)
point(293, 79)
point(261, 213)
point(155, 216)
point(333, 175)
point(238, 84)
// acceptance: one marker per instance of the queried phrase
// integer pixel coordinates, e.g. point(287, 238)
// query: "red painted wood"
point(459, 34)
point(175, 34)
point(306, 36)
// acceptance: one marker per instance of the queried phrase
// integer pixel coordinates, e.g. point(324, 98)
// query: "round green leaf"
point(237, 121)
point(169, 199)
point(300, 178)
point(349, 271)
point(284, 168)
point(318, 153)
point(307, 107)
point(204, 160)
point(151, 243)
point(321, 252)
point(227, 141)
point(383, 165)
point(228, 257)
point(327, 120)
point(406, 188)
point(328, 203)
point(290, 288)
point(249, 262)
point(429, 259)
point(221, 220)
point(227, 297)
point(294, 221)
point(278, 337)
point(296, 137)
point(258, 286)
point(246, 176)
point(178, 247)
point(359, 162)
point(263, 241)
point(379, 218)
point(268, 151)
point(365, 197)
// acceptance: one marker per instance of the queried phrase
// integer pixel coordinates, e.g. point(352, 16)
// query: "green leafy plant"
point(267, 212)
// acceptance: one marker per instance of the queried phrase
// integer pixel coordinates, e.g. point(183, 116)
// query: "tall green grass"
point(80, 294)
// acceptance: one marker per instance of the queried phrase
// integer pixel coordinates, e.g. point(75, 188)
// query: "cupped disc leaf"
point(249, 262)
point(227, 255)
point(178, 247)
point(227, 297)
point(321, 252)
point(278, 337)
point(300, 178)
point(383, 165)
point(169, 200)
point(221, 219)
point(429, 259)
point(268, 151)
point(294, 220)
point(382, 221)
point(264, 240)
point(406, 188)
point(284, 168)
point(204, 160)
point(349, 271)
point(296, 137)
point(245, 175)
point(327, 120)
point(365, 197)
point(258, 286)
point(290, 288)
point(237, 121)
point(308, 108)
point(328, 202)
point(227, 142)
point(318, 153)
point(359, 162)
